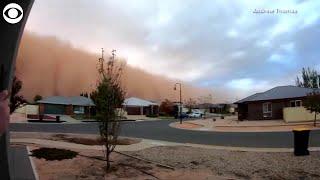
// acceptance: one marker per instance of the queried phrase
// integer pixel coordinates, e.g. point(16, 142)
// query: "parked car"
point(183, 115)
point(195, 115)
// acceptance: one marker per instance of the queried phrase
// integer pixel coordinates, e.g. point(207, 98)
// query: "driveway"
point(160, 130)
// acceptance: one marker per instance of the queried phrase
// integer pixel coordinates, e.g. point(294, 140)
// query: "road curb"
point(149, 143)
point(35, 172)
point(203, 128)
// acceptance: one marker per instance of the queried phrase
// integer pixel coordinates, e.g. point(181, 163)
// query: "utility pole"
point(102, 51)
point(180, 107)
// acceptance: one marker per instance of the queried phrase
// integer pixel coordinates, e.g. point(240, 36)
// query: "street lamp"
point(180, 107)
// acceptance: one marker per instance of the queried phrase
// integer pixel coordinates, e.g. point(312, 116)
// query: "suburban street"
point(160, 130)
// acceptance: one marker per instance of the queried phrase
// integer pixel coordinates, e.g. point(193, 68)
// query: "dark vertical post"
point(180, 105)
point(12, 21)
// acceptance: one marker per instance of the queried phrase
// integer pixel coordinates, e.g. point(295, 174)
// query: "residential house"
point(65, 105)
point(270, 104)
point(137, 106)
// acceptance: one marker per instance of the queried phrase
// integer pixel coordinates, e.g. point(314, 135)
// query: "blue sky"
point(220, 45)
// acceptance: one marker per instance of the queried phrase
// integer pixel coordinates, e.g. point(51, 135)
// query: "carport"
point(137, 106)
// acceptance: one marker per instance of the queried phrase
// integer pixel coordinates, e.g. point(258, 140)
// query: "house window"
point(296, 103)
point(267, 109)
point(78, 109)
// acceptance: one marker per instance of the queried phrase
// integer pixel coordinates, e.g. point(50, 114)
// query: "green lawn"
point(165, 117)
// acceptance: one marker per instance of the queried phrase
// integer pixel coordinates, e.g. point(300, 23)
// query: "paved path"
point(160, 130)
point(144, 144)
point(19, 163)
point(208, 125)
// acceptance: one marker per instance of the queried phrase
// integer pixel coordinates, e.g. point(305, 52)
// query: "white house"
point(137, 106)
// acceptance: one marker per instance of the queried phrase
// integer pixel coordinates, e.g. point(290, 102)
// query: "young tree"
point(108, 98)
point(15, 99)
point(309, 78)
point(37, 98)
point(312, 103)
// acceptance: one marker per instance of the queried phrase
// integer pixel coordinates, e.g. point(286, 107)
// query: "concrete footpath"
point(22, 118)
point(21, 166)
point(145, 143)
point(229, 124)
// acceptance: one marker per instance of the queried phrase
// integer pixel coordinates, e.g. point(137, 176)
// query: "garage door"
point(53, 109)
point(133, 110)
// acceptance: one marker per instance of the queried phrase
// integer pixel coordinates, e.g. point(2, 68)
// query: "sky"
point(219, 45)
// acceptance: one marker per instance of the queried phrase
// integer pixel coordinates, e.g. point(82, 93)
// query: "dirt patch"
point(241, 165)
point(187, 125)
point(189, 163)
point(123, 167)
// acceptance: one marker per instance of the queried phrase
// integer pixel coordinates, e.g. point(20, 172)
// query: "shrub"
point(312, 103)
point(152, 115)
point(167, 108)
point(37, 98)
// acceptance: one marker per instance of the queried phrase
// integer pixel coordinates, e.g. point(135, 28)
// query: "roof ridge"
point(294, 86)
point(278, 92)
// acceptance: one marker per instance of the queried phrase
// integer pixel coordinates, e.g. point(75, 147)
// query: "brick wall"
point(255, 111)
point(41, 108)
point(69, 110)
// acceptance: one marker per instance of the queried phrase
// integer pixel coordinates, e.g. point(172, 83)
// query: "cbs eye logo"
point(12, 13)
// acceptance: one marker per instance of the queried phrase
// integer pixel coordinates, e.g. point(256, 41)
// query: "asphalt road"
point(160, 130)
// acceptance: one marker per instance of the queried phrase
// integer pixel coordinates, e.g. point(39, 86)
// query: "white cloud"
point(232, 33)
point(237, 54)
point(281, 59)
point(246, 84)
point(277, 58)
point(289, 47)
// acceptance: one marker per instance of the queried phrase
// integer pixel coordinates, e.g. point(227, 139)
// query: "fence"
point(298, 114)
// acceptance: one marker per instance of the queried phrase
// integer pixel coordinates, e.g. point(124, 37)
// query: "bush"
point(37, 98)
point(51, 154)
